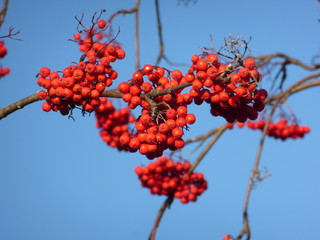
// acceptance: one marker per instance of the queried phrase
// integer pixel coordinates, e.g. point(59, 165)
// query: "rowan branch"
point(159, 92)
point(255, 174)
point(296, 87)
point(161, 54)
point(202, 137)
point(137, 41)
point(167, 203)
point(135, 11)
point(113, 93)
point(18, 105)
point(213, 140)
point(11, 34)
point(265, 59)
point(170, 199)
point(270, 61)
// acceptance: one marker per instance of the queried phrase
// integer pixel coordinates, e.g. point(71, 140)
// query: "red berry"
point(42, 95)
point(46, 107)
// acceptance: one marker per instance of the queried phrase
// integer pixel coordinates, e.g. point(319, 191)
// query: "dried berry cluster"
point(281, 129)
point(81, 84)
point(3, 52)
point(166, 177)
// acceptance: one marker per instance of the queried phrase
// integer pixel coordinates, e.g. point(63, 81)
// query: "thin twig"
point(11, 34)
point(137, 41)
point(135, 11)
point(159, 27)
point(213, 140)
point(255, 171)
point(162, 209)
point(289, 60)
point(113, 93)
point(161, 54)
point(170, 199)
point(296, 87)
point(201, 138)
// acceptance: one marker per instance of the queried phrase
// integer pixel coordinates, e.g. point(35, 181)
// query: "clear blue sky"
point(58, 180)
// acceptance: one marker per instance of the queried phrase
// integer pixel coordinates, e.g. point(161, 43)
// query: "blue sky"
point(58, 180)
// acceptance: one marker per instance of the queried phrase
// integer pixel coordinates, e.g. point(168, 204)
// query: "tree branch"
point(137, 41)
point(289, 60)
point(202, 137)
point(161, 54)
point(3, 11)
point(159, 27)
point(113, 93)
point(296, 87)
point(170, 199)
point(213, 140)
point(162, 209)
point(18, 105)
point(281, 97)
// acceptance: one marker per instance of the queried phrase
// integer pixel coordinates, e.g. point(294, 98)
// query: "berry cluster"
point(81, 84)
point(3, 52)
point(281, 129)
point(112, 123)
point(230, 89)
point(166, 177)
point(163, 118)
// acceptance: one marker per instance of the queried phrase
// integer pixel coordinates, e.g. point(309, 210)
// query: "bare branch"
point(134, 10)
point(161, 54)
point(137, 41)
point(18, 105)
point(163, 208)
point(113, 93)
point(3, 11)
point(159, 27)
point(255, 174)
point(213, 140)
point(11, 34)
point(202, 137)
point(265, 59)
point(297, 87)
